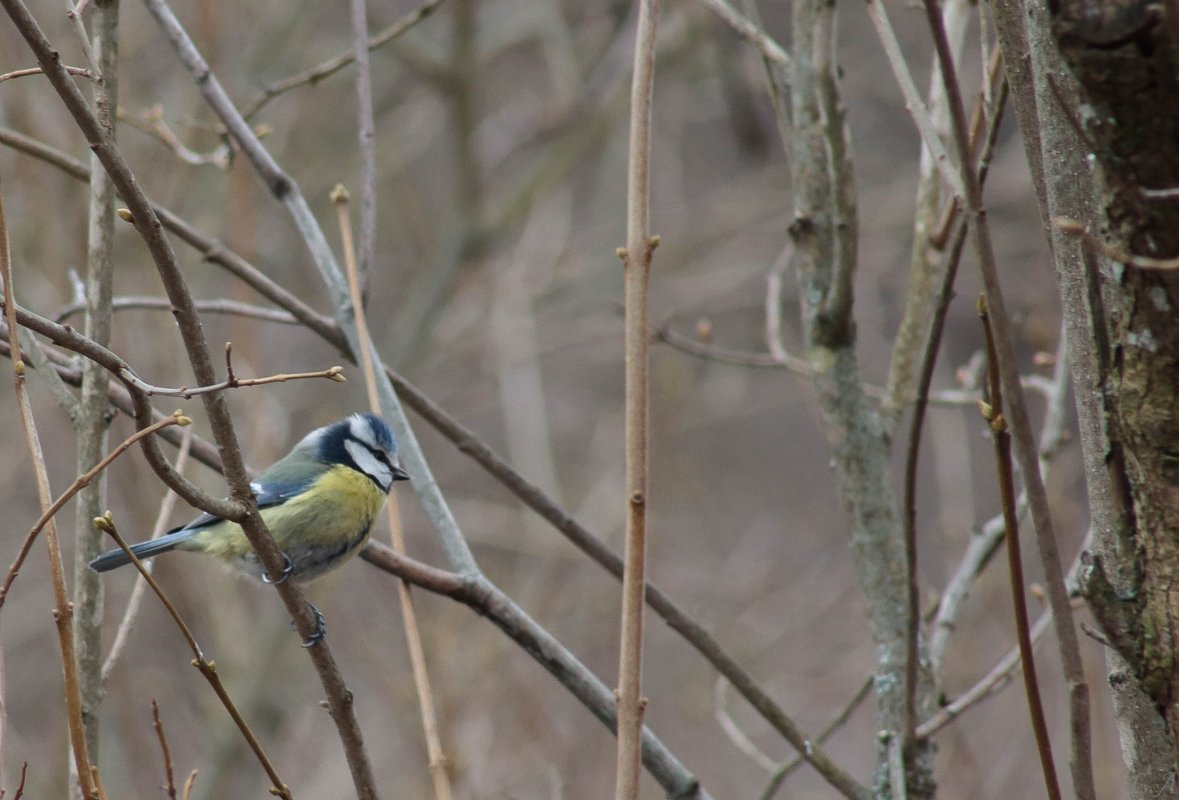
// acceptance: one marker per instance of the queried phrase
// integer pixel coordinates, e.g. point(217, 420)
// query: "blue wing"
point(267, 493)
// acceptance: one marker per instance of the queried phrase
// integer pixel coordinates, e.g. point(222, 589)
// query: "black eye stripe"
point(379, 455)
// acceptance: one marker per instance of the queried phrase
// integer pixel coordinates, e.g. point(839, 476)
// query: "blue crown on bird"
point(319, 501)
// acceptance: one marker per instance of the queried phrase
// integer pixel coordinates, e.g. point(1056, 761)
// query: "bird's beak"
point(399, 474)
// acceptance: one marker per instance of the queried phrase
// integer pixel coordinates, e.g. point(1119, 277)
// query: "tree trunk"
point(1125, 58)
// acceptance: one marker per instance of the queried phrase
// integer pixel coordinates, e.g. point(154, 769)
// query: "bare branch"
point(993, 413)
point(206, 667)
point(63, 610)
point(166, 754)
point(331, 66)
point(81, 481)
point(135, 601)
point(488, 600)
point(24, 73)
point(636, 262)
point(413, 636)
point(913, 102)
point(749, 31)
point(1025, 445)
point(331, 373)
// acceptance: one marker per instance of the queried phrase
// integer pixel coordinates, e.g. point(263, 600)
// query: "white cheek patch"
point(370, 464)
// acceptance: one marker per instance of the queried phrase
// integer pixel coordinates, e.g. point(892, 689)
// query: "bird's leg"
point(320, 628)
point(287, 569)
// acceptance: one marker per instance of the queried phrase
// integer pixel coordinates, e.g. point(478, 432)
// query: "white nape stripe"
point(311, 440)
point(360, 428)
point(369, 464)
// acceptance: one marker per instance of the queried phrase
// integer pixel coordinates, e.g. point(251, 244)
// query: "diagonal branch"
point(216, 406)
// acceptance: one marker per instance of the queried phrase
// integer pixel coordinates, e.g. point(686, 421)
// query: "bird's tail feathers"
point(143, 550)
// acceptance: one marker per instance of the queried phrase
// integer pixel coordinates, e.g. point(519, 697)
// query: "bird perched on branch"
point(319, 502)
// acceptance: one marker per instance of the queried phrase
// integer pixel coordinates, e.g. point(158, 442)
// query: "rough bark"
point(1125, 58)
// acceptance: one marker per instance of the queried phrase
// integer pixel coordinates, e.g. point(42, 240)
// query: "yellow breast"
point(318, 529)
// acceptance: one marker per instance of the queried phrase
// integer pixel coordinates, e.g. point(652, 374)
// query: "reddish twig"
point(992, 411)
point(169, 782)
point(1026, 452)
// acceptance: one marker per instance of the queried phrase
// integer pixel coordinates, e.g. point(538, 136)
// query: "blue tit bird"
point(319, 502)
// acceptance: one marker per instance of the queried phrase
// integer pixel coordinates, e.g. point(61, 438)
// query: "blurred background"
point(501, 140)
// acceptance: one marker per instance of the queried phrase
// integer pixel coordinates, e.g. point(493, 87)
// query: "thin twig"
point(81, 481)
point(366, 135)
point(333, 65)
point(741, 358)
point(135, 600)
point(211, 249)
point(1080, 761)
point(188, 322)
point(473, 446)
point(1075, 228)
point(488, 600)
point(207, 668)
point(24, 73)
point(837, 722)
point(636, 261)
point(220, 306)
point(189, 784)
point(166, 754)
point(929, 354)
point(137, 407)
point(751, 32)
point(731, 729)
point(413, 637)
point(988, 109)
point(995, 679)
point(20, 788)
point(63, 610)
point(913, 102)
point(992, 412)
point(773, 307)
point(154, 125)
point(999, 675)
point(331, 373)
